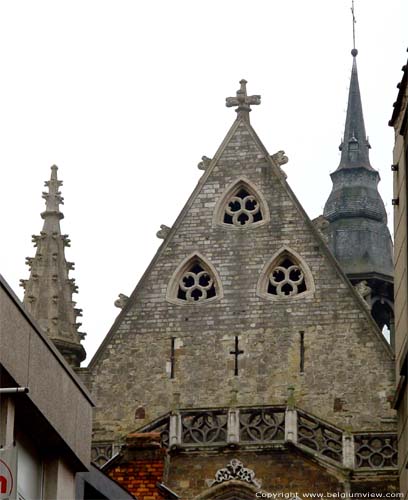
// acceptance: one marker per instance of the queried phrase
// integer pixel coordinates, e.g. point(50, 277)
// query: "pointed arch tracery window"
point(286, 276)
point(195, 281)
point(242, 206)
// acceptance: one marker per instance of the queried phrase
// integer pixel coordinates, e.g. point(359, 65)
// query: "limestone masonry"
point(250, 356)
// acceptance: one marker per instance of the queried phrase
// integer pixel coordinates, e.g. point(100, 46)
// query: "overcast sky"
point(126, 96)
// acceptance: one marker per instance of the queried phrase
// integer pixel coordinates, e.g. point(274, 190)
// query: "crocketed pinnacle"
point(53, 198)
point(48, 291)
point(355, 146)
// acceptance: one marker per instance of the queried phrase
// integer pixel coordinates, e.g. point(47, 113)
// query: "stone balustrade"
point(268, 426)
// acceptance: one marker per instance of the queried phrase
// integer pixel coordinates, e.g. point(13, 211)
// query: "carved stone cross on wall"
point(242, 100)
point(236, 352)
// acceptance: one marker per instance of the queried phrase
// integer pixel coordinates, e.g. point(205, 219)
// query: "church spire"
point(48, 291)
point(355, 146)
point(357, 232)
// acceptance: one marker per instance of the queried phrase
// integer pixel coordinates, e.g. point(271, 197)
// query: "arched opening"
point(286, 276)
point(195, 281)
point(241, 206)
point(383, 315)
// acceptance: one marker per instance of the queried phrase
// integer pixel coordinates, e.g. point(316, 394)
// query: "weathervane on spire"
point(242, 100)
point(354, 52)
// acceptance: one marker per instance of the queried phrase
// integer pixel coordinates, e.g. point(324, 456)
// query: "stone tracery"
point(195, 281)
point(286, 278)
point(196, 284)
point(286, 275)
point(243, 208)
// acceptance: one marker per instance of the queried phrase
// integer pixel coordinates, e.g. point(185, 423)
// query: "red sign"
point(8, 469)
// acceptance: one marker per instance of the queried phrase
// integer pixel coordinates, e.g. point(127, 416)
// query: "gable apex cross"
point(242, 100)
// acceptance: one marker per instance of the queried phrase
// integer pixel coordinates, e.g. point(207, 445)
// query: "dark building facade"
point(48, 424)
point(399, 121)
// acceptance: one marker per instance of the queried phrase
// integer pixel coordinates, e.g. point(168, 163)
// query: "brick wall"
point(140, 466)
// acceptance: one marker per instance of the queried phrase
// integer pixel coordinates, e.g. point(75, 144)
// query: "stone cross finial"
point(242, 100)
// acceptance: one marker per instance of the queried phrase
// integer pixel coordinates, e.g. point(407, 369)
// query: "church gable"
point(247, 302)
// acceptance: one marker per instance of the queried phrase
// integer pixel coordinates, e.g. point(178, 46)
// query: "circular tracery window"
point(286, 278)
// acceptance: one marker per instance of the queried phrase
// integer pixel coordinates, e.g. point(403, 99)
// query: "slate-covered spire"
point(48, 291)
point(357, 231)
point(355, 146)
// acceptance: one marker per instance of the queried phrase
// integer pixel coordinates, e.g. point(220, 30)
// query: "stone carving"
point(101, 453)
point(364, 290)
point(204, 427)
point(260, 425)
point(29, 261)
point(235, 470)
point(242, 209)
point(71, 282)
point(196, 284)
point(320, 223)
point(203, 165)
point(325, 439)
point(286, 279)
point(280, 158)
point(211, 427)
point(242, 100)
point(163, 232)
point(121, 301)
point(376, 451)
point(66, 241)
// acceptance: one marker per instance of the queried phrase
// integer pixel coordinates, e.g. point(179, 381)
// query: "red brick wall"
point(140, 465)
point(140, 477)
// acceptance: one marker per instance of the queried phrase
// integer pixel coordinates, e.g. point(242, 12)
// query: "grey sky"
point(126, 96)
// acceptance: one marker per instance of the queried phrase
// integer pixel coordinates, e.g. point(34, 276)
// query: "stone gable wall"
point(345, 358)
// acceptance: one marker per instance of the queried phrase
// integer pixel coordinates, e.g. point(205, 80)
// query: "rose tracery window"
point(286, 278)
point(242, 208)
point(196, 283)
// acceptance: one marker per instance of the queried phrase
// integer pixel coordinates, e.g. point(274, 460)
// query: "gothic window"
point(241, 207)
point(194, 282)
point(286, 276)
